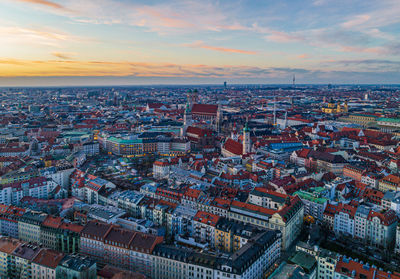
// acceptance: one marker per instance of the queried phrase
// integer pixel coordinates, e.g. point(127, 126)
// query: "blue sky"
point(140, 42)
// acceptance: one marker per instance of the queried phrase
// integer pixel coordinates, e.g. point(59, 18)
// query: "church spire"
point(246, 139)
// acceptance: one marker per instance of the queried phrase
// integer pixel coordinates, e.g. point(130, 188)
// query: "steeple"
point(338, 108)
point(285, 122)
point(246, 139)
point(246, 127)
point(218, 120)
point(189, 98)
point(234, 135)
point(187, 120)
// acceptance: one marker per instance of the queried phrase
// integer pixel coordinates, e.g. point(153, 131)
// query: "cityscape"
point(204, 140)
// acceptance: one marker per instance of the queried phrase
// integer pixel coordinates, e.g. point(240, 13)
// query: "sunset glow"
point(201, 41)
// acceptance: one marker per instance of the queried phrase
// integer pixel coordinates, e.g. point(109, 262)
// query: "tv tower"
point(294, 80)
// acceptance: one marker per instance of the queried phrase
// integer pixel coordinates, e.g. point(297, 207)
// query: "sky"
point(122, 42)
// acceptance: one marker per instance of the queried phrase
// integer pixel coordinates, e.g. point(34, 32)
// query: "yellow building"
point(13, 177)
point(7, 247)
point(273, 211)
point(332, 107)
point(230, 236)
point(389, 182)
point(364, 119)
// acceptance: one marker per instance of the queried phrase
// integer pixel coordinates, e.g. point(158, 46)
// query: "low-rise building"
point(390, 182)
point(23, 256)
point(314, 202)
point(354, 172)
point(9, 216)
point(76, 267)
point(326, 259)
point(121, 247)
point(37, 187)
point(45, 263)
point(29, 226)
point(230, 236)
point(343, 223)
point(381, 228)
point(253, 260)
point(287, 217)
point(7, 247)
point(371, 179)
point(204, 224)
point(92, 238)
point(347, 268)
point(397, 248)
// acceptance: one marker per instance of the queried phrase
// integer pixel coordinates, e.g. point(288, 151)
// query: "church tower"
point(246, 140)
point(234, 135)
point(338, 109)
point(187, 120)
point(218, 119)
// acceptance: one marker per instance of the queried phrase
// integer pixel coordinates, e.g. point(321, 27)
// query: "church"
point(234, 147)
point(335, 108)
point(208, 113)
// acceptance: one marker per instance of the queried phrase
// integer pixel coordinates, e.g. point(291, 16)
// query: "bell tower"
point(246, 139)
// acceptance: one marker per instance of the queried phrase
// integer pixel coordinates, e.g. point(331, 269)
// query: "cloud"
point(283, 37)
point(303, 56)
point(319, 2)
point(176, 16)
point(356, 21)
point(14, 71)
point(365, 65)
point(17, 67)
point(44, 3)
point(200, 44)
point(62, 55)
point(337, 39)
point(29, 68)
point(374, 50)
point(276, 35)
point(33, 36)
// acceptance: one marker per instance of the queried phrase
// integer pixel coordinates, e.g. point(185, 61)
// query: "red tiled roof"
point(392, 178)
point(198, 131)
point(253, 207)
point(350, 267)
point(192, 193)
point(206, 218)
point(48, 258)
point(330, 209)
point(270, 192)
point(221, 203)
point(204, 109)
point(303, 153)
point(52, 222)
point(387, 218)
point(233, 147)
point(71, 227)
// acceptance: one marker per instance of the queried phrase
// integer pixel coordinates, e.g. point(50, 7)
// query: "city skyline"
point(112, 42)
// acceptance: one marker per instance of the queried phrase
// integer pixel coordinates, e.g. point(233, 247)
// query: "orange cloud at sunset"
point(44, 3)
point(200, 44)
point(29, 68)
